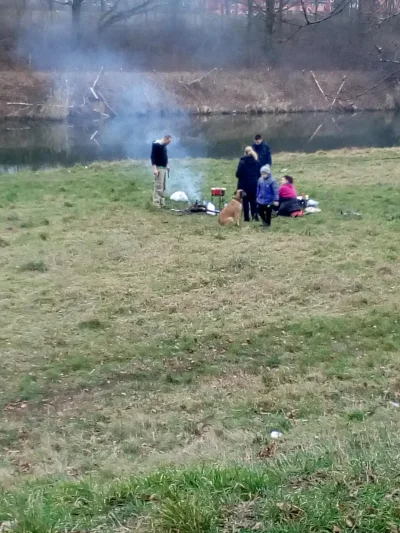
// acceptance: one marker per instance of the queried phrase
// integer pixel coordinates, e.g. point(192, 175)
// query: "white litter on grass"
point(276, 434)
point(312, 203)
point(395, 404)
point(179, 196)
point(312, 210)
point(211, 209)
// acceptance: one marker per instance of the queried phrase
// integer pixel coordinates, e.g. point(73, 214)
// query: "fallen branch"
point(96, 81)
point(94, 135)
point(97, 142)
point(339, 91)
point(318, 85)
point(198, 80)
point(107, 104)
point(93, 92)
point(21, 103)
point(190, 92)
point(337, 125)
point(315, 133)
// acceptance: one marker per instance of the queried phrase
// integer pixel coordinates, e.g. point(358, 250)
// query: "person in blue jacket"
point(262, 150)
point(247, 173)
point(267, 195)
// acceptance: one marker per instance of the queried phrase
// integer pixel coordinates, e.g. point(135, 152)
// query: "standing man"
point(159, 160)
point(263, 151)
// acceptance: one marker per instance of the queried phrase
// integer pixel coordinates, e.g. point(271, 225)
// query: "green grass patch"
point(143, 374)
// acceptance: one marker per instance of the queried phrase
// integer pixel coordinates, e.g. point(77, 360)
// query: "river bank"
point(137, 344)
point(58, 96)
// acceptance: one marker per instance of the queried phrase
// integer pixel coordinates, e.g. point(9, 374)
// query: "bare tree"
point(76, 7)
point(117, 14)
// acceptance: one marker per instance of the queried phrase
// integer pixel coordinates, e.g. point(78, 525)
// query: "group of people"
point(263, 195)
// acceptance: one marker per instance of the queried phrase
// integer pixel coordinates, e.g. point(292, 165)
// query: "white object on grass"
point(179, 196)
point(312, 203)
point(276, 434)
point(211, 209)
point(312, 210)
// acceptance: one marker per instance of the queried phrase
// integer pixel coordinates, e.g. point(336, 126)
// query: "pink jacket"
point(287, 191)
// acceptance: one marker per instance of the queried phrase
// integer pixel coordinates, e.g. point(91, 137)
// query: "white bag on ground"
point(211, 209)
point(312, 203)
point(312, 210)
point(179, 196)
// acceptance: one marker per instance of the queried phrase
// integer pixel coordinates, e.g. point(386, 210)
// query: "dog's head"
point(239, 195)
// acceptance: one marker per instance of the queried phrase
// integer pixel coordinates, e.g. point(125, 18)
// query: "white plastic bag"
point(312, 203)
point(179, 196)
point(211, 209)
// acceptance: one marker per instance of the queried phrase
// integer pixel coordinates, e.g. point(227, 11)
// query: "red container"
point(218, 191)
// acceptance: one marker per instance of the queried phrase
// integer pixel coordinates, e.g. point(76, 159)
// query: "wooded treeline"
point(196, 34)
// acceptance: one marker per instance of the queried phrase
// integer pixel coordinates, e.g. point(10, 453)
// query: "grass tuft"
point(34, 266)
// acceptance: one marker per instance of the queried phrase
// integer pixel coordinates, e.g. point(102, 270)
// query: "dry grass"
point(145, 338)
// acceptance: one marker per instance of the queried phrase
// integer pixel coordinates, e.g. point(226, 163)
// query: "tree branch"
point(113, 17)
point(375, 86)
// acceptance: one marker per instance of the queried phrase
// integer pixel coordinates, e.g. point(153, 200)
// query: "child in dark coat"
point(267, 195)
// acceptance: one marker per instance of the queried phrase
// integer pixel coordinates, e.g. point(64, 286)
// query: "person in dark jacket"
point(288, 202)
point(159, 161)
point(263, 151)
point(267, 195)
point(248, 172)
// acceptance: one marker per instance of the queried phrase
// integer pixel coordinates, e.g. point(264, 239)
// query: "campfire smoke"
point(184, 179)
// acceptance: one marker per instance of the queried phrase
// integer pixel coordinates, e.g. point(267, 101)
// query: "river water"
point(37, 145)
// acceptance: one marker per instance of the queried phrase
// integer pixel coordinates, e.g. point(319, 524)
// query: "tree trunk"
point(76, 16)
point(249, 15)
point(269, 19)
point(249, 33)
point(280, 16)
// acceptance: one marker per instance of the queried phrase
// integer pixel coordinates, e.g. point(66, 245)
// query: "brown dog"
point(232, 212)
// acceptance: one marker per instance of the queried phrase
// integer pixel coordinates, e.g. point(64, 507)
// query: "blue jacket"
point(264, 153)
point(247, 174)
point(267, 190)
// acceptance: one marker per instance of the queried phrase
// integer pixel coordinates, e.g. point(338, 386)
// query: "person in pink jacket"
point(288, 203)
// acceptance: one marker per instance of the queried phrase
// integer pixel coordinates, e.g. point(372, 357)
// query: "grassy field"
point(146, 357)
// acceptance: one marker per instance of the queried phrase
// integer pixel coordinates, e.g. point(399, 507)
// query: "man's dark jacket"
point(159, 154)
point(264, 153)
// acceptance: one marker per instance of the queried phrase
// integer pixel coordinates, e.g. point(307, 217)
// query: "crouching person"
point(267, 195)
point(288, 203)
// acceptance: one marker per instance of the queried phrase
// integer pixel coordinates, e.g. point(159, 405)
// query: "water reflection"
point(40, 145)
